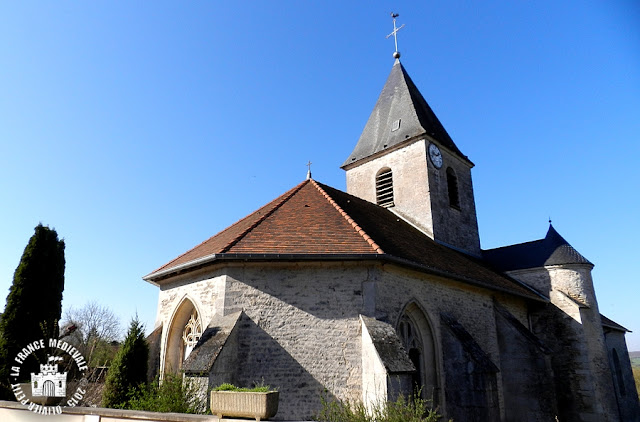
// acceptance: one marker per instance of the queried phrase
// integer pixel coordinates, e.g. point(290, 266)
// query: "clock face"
point(435, 155)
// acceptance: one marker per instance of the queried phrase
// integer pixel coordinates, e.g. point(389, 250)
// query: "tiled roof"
point(316, 221)
point(609, 323)
point(400, 114)
point(552, 250)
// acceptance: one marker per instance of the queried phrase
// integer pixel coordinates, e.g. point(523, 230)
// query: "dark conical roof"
point(552, 250)
point(400, 101)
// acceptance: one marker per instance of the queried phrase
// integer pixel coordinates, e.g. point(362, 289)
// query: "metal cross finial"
point(309, 170)
point(396, 54)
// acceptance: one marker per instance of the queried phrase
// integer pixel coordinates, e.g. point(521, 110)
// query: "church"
point(384, 290)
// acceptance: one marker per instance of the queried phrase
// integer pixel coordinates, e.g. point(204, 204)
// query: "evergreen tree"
point(128, 369)
point(34, 303)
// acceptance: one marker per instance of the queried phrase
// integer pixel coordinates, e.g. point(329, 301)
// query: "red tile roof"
point(313, 220)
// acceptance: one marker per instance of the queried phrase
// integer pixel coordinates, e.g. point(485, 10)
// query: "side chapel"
point(384, 289)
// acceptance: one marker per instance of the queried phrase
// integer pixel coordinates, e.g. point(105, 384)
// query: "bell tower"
point(406, 161)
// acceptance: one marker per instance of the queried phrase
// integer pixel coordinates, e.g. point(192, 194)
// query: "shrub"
point(260, 388)
point(128, 369)
point(413, 409)
point(172, 394)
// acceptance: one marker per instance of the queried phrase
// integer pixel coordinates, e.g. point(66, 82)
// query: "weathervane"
point(396, 54)
point(309, 170)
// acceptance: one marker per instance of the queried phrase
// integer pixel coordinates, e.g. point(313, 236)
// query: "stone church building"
point(384, 289)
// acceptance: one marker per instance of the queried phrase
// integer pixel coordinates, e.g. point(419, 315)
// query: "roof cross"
point(396, 54)
point(309, 170)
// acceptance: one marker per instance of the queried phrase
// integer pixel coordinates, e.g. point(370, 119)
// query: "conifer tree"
point(128, 369)
point(34, 303)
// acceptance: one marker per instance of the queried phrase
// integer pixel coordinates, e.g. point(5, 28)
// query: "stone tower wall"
point(572, 327)
point(421, 193)
point(410, 183)
point(457, 227)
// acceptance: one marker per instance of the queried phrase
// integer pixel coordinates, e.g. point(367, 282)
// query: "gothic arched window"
point(413, 345)
point(183, 334)
point(452, 187)
point(384, 188)
point(191, 334)
point(416, 335)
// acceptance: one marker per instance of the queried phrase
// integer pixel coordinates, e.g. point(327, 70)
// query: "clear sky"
point(139, 129)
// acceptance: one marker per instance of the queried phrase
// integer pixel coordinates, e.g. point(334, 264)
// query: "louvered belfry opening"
point(384, 188)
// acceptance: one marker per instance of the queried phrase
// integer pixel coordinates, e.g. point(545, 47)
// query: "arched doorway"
point(184, 333)
point(417, 338)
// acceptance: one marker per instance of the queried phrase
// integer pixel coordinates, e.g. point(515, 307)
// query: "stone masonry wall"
point(572, 327)
point(455, 227)
point(624, 383)
point(410, 183)
point(301, 332)
point(204, 290)
point(472, 307)
point(421, 193)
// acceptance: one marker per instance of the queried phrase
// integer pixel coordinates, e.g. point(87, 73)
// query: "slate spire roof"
point(552, 250)
point(400, 114)
point(314, 221)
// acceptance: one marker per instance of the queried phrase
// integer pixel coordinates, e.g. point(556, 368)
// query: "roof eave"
point(416, 138)
point(156, 277)
point(535, 295)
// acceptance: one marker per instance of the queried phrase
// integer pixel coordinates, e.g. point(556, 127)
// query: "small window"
point(452, 186)
point(384, 188)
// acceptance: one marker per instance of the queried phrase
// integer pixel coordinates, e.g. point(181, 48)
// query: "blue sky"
point(139, 129)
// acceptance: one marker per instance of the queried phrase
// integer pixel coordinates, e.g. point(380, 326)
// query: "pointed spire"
point(309, 169)
point(400, 114)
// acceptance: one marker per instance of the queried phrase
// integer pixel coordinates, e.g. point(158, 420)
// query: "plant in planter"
point(260, 402)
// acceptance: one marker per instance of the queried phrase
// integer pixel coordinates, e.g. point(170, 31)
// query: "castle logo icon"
point(49, 382)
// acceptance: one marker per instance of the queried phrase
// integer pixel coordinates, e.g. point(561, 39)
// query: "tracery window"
point(413, 345)
point(191, 334)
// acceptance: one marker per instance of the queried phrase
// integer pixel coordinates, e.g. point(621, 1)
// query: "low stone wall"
point(15, 412)
point(11, 411)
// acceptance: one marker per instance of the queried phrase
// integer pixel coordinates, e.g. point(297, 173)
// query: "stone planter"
point(244, 404)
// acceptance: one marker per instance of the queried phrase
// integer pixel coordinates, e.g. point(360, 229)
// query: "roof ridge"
point(285, 198)
point(347, 217)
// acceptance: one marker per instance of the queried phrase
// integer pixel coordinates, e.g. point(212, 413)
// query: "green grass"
point(231, 387)
point(635, 362)
point(636, 376)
